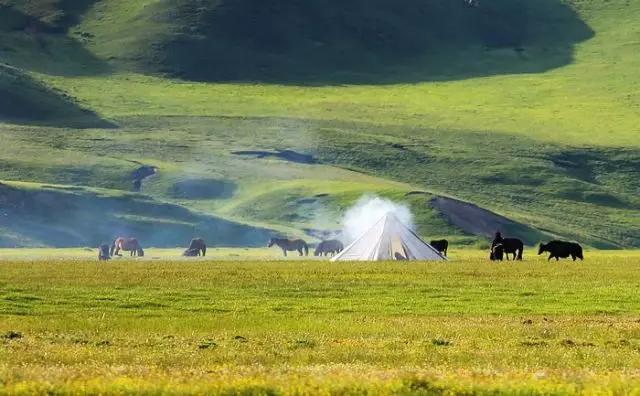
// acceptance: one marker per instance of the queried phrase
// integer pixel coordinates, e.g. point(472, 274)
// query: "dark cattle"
point(562, 249)
point(442, 246)
point(331, 247)
point(196, 247)
point(289, 246)
point(104, 253)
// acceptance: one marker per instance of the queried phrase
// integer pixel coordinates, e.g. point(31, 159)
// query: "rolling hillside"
point(279, 115)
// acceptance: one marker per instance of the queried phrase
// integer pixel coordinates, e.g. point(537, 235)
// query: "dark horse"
point(509, 245)
point(513, 246)
point(442, 246)
point(562, 249)
point(331, 247)
point(104, 253)
point(289, 246)
point(128, 245)
point(197, 247)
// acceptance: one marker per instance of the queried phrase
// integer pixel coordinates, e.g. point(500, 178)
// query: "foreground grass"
point(304, 327)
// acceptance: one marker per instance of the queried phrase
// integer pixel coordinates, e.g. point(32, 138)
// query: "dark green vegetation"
point(307, 328)
point(279, 115)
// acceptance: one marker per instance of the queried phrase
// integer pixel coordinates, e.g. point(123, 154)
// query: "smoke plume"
point(367, 212)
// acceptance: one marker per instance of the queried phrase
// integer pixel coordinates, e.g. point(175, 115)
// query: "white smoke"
point(367, 212)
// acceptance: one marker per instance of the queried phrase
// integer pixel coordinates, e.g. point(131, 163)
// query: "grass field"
point(306, 327)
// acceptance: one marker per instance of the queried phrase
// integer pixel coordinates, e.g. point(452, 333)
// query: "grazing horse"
point(497, 253)
point(442, 246)
point(513, 246)
point(562, 249)
point(331, 247)
point(103, 252)
point(509, 245)
point(128, 245)
point(197, 247)
point(289, 246)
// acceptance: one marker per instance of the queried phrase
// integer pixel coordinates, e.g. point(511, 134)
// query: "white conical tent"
point(389, 239)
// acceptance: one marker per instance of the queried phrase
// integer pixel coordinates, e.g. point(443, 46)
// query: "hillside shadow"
point(43, 15)
point(35, 39)
point(367, 41)
point(59, 217)
point(478, 221)
point(25, 101)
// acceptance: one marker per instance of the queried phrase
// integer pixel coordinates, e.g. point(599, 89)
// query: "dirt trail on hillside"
point(472, 219)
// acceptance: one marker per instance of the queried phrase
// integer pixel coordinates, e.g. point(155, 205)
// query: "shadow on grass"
point(325, 42)
point(34, 37)
point(27, 102)
point(56, 217)
point(43, 15)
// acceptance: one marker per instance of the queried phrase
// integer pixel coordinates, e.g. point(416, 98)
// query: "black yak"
point(562, 249)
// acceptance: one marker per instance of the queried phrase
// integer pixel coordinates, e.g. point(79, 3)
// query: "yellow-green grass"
point(306, 327)
point(262, 254)
point(151, 254)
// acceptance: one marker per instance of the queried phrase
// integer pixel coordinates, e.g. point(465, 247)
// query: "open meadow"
point(261, 326)
point(241, 121)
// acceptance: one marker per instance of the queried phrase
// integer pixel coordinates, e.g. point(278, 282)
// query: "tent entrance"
point(398, 250)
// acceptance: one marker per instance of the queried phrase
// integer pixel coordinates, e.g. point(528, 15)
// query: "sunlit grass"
point(309, 327)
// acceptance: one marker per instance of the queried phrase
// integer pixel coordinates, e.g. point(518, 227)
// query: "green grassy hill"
point(318, 42)
point(526, 109)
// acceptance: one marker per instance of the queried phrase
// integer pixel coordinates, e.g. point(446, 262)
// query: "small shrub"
point(441, 342)
point(207, 344)
point(12, 335)
point(240, 338)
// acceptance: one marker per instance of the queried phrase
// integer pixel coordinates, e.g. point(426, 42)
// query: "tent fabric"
point(389, 239)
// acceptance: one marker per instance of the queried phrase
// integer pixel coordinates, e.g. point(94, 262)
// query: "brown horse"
point(196, 247)
point(128, 245)
point(290, 246)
